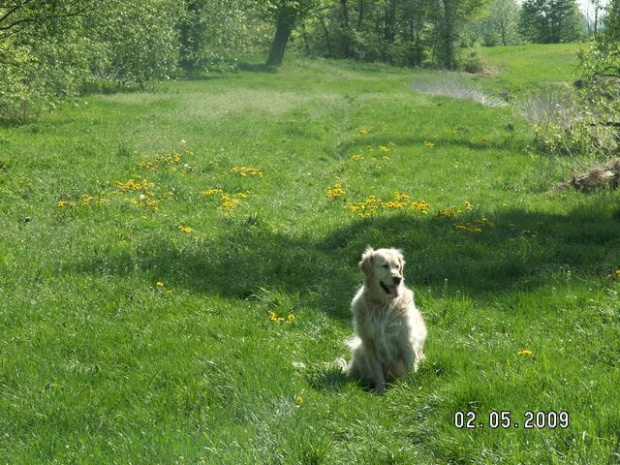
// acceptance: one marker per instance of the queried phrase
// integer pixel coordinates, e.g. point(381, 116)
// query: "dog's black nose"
point(397, 280)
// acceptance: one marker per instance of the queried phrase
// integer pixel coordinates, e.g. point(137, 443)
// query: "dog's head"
point(383, 271)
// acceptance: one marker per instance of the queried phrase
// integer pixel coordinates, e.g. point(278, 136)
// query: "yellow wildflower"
point(335, 191)
point(132, 185)
point(65, 204)
point(357, 157)
point(228, 201)
point(210, 192)
point(421, 207)
point(525, 352)
point(246, 171)
point(383, 148)
point(367, 208)
point(429, 145)
point(449, 212)
point(614, 274)
point(186, 229)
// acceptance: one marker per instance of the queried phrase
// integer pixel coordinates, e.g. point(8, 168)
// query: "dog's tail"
point(342, 365)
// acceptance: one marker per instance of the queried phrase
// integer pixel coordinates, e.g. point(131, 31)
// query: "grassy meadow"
point(176, 269)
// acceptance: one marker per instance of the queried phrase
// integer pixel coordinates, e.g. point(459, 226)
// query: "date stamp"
point(503, 419)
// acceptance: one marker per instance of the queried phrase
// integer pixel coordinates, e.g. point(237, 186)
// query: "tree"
point(403, 32)
point(594, 130)
point(51, 49)
point(601, 70)
point(212, 31)
point(456, 13)
point(501, 26)
point(551, 21)
point(287, 14)
point(594, 8)
point(135, 42)
point(43, 55)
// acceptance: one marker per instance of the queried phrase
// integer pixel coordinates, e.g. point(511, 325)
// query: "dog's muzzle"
point(392, 290)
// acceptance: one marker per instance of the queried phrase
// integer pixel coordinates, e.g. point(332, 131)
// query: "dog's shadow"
point(326, 377)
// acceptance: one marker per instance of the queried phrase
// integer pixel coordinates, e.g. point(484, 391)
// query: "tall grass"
point(176, 271)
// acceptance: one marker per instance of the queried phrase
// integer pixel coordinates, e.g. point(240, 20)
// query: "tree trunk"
point(345, 28)
point(447, 33)
point(328, 42)
point(284, 27)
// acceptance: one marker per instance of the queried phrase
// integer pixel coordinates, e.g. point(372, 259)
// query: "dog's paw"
point(380, 389)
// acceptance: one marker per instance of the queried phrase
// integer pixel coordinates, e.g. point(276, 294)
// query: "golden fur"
point(389, 329)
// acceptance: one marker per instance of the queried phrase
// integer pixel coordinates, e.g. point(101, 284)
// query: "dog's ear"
point(401, 262)
point(366, 263)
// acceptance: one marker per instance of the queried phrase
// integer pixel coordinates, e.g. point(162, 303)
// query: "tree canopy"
point(52, 49)
point(552, 21)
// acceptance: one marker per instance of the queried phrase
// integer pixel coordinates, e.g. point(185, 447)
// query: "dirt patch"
point(598, 177)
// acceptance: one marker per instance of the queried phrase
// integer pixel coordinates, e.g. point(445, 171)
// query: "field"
point(176, 269)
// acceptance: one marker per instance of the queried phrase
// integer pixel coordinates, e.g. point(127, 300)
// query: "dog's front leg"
point(376, 368)
point(409, 357)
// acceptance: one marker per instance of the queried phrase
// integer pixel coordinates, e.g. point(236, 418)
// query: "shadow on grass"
point(327, 377)
point(258, 68)
point(512, 251)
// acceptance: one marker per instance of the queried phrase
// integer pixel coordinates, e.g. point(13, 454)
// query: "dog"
point(389, 329)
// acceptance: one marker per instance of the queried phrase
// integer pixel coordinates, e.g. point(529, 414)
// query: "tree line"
point(51, 49)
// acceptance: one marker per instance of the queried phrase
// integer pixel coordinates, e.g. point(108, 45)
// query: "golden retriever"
point(389, 329)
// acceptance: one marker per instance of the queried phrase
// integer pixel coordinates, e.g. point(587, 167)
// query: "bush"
point(471, 62)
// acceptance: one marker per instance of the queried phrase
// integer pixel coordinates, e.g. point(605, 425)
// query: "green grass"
point(137, 316)
point(529, 68)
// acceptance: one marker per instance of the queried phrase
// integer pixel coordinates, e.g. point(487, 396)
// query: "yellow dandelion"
point(160, 284)
point(290, 318)
point(525, 352)
point(245, 171)
point(65, 204)
point(429, 145)
point(210, 192)
point(357, 157)
point(132, 185)
point(383, 148)
point(449, 212)
point(299, 400)
point(228, 201)
point(334, 192)
point(614, 274)
point(421, 207)
point(186, 229)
